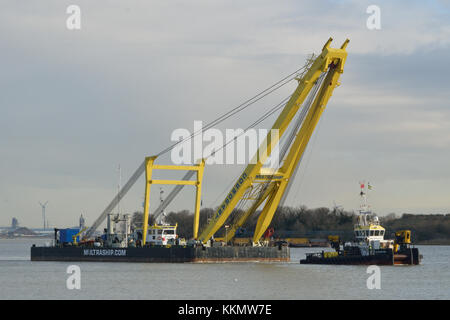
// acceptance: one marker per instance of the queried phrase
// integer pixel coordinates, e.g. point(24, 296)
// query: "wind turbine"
point(336, 207)
point(43, 211)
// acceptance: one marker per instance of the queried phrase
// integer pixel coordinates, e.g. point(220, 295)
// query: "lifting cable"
point(258, 121)
point(301, 118)
point(288, 142)
point(294, 175)
point(262, 118)
point(220, 119)
point(240, 107)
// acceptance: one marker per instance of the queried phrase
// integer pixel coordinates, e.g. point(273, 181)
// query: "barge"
point(169, 254)
point(119, 244)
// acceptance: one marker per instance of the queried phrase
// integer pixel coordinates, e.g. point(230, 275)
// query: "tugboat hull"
point(409, 257)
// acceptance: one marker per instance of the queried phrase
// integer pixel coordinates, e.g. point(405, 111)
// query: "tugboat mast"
point(364, 208)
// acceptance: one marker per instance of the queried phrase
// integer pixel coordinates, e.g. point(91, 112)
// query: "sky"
point(77, 103)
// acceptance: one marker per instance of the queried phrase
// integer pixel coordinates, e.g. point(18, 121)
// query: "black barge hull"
point(173, 254)
point(409, 257)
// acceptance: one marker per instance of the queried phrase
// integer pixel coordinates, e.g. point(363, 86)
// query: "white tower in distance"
point(43, 212)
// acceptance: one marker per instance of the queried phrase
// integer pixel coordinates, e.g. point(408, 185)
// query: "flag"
point(362, 185)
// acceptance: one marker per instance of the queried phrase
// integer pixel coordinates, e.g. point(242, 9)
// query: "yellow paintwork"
point(333, 238)
point(232, 230)
point(404, 236)
point(241, 241)
point(149, 167)
point(331, 60)
point(371, 227)
point(74, 238)
point(157, 226)
point(297, 240)
point(331, 254)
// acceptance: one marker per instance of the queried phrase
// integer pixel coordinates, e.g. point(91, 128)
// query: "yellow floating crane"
point(263, 185)
point(258, 184)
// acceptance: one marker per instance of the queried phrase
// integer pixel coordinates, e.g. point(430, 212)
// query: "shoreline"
point(26, 237)
point(426, 243)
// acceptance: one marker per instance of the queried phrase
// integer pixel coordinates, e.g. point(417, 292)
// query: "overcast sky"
point(77, 103)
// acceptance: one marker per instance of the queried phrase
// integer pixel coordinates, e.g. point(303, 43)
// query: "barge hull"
point(174, 254)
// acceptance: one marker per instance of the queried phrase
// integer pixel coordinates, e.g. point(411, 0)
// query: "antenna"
point(365, 208)
point(43, 212)
point(162, 220)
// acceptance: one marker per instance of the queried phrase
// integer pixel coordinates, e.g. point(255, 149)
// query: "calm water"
point(23, 279)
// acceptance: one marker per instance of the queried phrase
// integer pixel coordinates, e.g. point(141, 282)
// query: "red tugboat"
point(369, 246)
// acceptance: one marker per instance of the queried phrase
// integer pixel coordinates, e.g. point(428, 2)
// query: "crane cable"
point(294, 174)
point(268, 113)
point(132, 180)
point(288, 142)
point(294, 131)
point(240, 107)
point(258, 121)
point(229, 114)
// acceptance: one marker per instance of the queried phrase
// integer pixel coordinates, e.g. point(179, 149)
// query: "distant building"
point(14, 224)
point(82, 222)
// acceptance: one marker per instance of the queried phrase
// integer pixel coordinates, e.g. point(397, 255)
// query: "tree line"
point(318, 223)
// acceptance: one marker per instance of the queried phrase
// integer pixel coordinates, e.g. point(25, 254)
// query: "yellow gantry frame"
point(331, 61)
point(149, 167)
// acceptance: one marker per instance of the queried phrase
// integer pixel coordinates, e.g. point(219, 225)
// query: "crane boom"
point(331, 63)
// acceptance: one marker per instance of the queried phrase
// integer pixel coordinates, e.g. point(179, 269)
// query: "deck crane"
point(264, 185)
point(257, 183)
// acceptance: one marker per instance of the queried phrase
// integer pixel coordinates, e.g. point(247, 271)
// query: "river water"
point(21, 278)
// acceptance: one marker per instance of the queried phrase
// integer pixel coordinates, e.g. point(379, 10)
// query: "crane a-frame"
point(263, 185)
